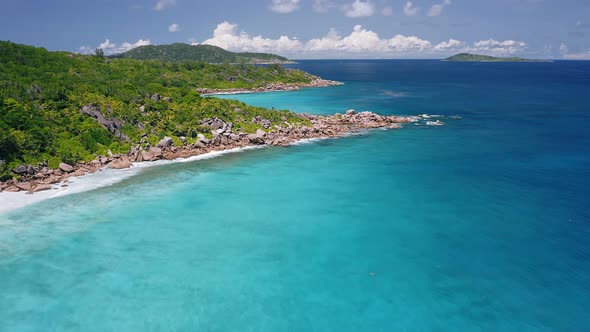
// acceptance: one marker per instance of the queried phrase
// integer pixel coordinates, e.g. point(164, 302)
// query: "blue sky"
point(309, 28)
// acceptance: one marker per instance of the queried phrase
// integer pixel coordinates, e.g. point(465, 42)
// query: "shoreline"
point(101, 178)
point(48, 183)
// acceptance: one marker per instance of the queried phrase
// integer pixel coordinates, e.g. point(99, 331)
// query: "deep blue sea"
point(482, 224)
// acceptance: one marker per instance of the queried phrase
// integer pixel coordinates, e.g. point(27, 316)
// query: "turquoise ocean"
point(482, 224)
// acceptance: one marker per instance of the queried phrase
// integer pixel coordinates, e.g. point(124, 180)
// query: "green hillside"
point(203, 53)
point(43, 94)
point(485, 58)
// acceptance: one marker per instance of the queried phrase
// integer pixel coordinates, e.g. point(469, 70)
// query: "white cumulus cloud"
point(284, 6)
point(410, 9)
point(174, 27)
point(359, 9)
point(112, 48)
point(495, 47)
point(437, 9)
point(163, 4)
point(451, 44)
point(359, 43)
point(107, 45)
point(226, 36)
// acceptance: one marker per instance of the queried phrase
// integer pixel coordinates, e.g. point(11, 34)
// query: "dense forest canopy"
point(42, 95)
point(203, 53)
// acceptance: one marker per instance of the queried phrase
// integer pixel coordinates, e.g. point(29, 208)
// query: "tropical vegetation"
point(203, 53)
point(42, 95)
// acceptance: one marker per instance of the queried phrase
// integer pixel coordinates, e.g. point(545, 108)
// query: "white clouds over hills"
point(226, 36)
point(112, 48)
point(359, 43)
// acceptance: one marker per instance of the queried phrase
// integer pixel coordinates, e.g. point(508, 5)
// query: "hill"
point(468, 57)
point(65, 107)
point(204, 53)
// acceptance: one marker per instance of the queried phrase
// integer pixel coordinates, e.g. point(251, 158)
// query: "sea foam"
point(104, 178)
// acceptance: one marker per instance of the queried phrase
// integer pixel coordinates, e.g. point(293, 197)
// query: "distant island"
point(468, 57)
point(203, 53)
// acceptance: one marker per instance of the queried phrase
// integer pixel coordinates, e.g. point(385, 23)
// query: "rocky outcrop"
point(262, 121)
point(41, 187)
point(26, 170)
point(201, 138)
point(165, 142)
point(258, 137)
point(121, 163)
point(152, 154)
point(199, 145)
point(66, 168)
point(315, 82)
point(11, 189)
point(23, 185)
point(20, 170)
point(113, 125)
point(218, 126)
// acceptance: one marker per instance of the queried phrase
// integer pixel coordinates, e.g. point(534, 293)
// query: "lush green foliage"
point(203, 53)
point(42, 93)
point(485, 58)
